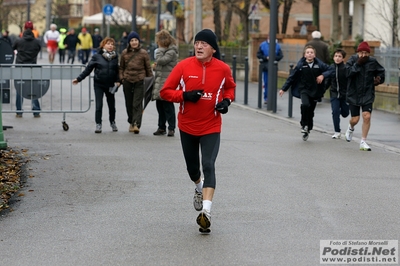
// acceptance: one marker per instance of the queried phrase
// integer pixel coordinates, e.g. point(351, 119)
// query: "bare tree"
point(267, 4)
point(227, 22)
point(287, 6)
point(242, 9)
point(387, 12)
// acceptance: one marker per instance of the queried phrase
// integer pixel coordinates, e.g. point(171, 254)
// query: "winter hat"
point(316, 34)
point(363, 46)
point(133, 35)
point(209, 37)
point(28, 25)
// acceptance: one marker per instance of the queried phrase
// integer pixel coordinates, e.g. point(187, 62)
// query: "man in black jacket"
point(70, 43)
point(320, 47)
point(28, 48)
point(5, 37)
point(364, 73)
point(96, 39)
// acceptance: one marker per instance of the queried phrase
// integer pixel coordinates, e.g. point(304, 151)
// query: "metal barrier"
point(51, 85)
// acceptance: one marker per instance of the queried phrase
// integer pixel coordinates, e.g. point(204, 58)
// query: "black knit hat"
point(133, 35)
point(209, 37)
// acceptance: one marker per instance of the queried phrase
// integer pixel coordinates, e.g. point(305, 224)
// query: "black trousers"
point(307, 107)
point(134, 93)
point(166, 113)
point(209, 145)
point(98, 94)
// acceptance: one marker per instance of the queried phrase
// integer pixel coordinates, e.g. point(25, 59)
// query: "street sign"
point(108, 9)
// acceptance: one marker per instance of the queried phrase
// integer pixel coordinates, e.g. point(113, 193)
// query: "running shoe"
point(198, 200)
point(204, 219)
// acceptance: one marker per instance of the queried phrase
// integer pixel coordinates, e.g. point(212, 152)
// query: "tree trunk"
point(395, 25)
point(217, 18)
point(315, 12)
point(316, 16)
point(227, 23)
point(287, 6)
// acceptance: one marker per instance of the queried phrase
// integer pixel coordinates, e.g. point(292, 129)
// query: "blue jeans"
point(71, 55)
point(339, 107)
point(265, 74)
point(85, 56)
point(19, 101)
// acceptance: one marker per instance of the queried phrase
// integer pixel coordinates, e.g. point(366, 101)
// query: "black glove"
point(192, 96)
point(362, 60)
point(222, 106)
point(377, 80)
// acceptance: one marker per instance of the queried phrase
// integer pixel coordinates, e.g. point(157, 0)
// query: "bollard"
point(190, 53)
point(223, 57)
point(290, 104)
point(3, 144)
point(272, 84)
point(274, 87)
point(246, 80)
point(234, 68)
point(260, 83)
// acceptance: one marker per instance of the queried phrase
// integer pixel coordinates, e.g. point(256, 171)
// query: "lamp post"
point(272, 54)
point(28, 10)
point(158, 16)
point(134, 11)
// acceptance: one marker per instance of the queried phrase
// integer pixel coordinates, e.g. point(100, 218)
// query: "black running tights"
point(209, 145)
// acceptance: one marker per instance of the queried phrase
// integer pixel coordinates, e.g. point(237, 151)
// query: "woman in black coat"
point(105, 65)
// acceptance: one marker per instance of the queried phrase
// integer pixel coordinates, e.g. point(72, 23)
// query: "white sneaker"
point(98, 128)
point(364, 146)
point(305, 132)
point(349, 134)
point(198, 200)
point(337, 135)
point(204, 219)
point(114, 127)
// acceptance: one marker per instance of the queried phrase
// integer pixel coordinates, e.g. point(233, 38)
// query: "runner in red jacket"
point(205, 90)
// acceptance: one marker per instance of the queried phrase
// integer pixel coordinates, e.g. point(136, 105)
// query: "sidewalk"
point(384, 131)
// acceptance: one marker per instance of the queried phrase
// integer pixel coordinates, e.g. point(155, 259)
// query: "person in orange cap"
point(29, 25)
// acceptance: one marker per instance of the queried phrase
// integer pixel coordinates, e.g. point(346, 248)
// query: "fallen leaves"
point(11, 163)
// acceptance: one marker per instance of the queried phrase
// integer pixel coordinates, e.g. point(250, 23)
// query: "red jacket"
point(215, 78)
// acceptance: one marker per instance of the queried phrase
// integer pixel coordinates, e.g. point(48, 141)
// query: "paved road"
point(125, 199)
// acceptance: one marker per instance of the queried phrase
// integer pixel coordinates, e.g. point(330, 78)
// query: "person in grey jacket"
point(166, 59)
point(363, 73)
point(105, 65)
